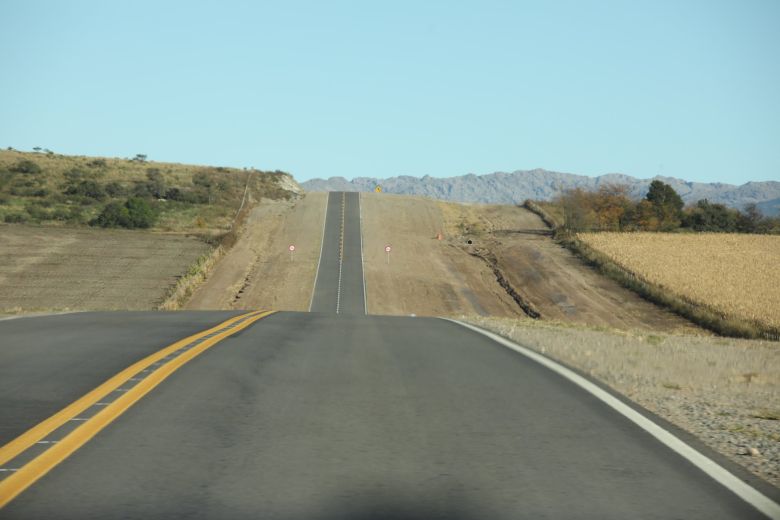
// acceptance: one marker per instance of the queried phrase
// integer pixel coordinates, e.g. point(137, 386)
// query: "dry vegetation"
point(58, 263)
point(53, 189)
point(734, 275)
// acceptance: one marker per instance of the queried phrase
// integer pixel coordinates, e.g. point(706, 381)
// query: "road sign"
point(292, 252)
point(388, 249)
point(291, 248)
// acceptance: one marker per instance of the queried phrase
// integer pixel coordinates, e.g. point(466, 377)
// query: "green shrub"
point(37, 212)
point(15, 218)
point(26, 166)
point(97, 163)
point(141, 213)
point(134, 213)
point(114, 214)
point(87, 188)
point(115, 189)
point(60, 214)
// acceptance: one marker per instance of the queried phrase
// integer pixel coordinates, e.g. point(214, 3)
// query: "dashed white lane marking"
point(47, 442)
point(717, 472)
point(78, 419)
point(8, 469)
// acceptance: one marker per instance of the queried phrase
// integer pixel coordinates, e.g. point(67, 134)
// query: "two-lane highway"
point(304, 415)
point(340, 286)
point(326, 414)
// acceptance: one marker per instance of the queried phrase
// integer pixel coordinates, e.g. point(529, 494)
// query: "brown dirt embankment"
point(258, 273)
point(47, 268)
point(424, 276)
point(451, 276)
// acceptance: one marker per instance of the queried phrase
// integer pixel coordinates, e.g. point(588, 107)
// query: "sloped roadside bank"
point(695, 311)
point(724, 391)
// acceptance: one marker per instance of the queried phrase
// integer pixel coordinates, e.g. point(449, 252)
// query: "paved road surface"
point(328, 414)
point(339, 287)
point(306, 415)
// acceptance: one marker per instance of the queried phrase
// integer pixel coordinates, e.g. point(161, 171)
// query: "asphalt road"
point(308, 415)
point(327, 414)
point(339, 287)
point(47, 363)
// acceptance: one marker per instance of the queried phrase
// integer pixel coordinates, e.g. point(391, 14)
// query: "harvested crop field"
point(736, 275)
point(49, 268)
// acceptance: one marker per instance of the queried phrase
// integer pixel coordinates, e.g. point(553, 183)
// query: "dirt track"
point(257, 273)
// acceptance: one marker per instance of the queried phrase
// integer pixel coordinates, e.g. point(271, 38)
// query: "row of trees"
point(612, 209)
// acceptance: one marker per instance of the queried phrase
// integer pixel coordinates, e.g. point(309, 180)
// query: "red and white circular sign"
point(291, 248)
point(388, 249)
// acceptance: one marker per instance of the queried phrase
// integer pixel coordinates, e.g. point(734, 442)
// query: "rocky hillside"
point(515, 187)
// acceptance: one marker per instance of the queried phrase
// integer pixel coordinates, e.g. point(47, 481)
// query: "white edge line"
point(322, 243)
point(362, 259)
point(717, 472)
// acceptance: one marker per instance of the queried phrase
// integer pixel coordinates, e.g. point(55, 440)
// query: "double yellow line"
point(190, 347)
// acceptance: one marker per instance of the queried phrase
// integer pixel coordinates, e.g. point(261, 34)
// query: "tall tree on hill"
point(667, 205)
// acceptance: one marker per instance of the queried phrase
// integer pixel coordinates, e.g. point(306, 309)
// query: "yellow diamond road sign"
point(378, 189)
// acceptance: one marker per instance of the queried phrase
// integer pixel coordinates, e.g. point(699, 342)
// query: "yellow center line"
point(27, 475)
point(38, 432)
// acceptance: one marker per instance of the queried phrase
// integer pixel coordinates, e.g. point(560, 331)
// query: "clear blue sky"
point(681, 88)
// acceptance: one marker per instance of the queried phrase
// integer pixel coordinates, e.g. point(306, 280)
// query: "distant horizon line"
point(42, 150)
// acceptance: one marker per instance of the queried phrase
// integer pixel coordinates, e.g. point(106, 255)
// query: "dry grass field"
point(53, 269)
point(735, 275)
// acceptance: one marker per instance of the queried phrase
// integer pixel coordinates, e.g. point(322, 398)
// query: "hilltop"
point(53, 189)
point(539, 184)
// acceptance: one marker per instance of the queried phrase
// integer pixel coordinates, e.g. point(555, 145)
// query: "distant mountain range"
point(515, 187)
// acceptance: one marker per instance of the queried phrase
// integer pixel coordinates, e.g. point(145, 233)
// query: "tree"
point(667, 205)
point(610, 205)
point(706, 216)
point(751, 220)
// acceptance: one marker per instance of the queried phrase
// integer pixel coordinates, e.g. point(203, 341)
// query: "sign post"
point(387, 250)
point(292, 252)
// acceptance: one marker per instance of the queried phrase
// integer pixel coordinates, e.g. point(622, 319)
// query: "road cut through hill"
point(445, 260)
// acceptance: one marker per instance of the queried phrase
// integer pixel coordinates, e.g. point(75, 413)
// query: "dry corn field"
point(738, 275)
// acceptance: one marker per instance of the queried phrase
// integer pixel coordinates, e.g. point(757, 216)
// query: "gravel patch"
point(724, 391)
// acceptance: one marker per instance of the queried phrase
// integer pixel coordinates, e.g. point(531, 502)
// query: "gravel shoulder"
point(724, 391)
